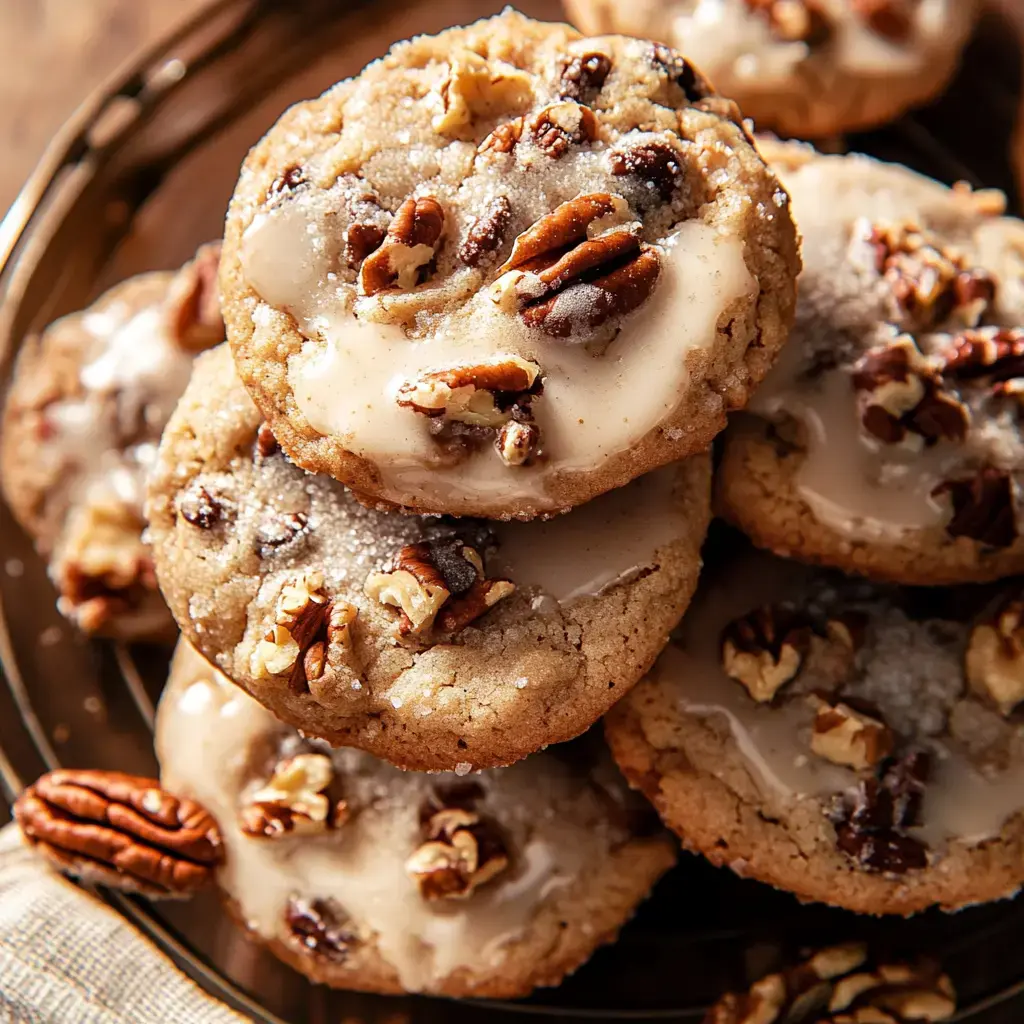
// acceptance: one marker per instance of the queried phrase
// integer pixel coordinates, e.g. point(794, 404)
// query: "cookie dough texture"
point(462, 124)
point(812, 485)
point(805, 68)
point(577, 866)
point(89, 398)
point(694, 743)
point(231, 528)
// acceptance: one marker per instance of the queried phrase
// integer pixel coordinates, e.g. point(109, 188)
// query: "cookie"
point(805, 68)
point(841, 985)
point(505, 270)
point(365, 877)
point(887, 441)
point(853, 743)
point(433, 643)
point(88, 401)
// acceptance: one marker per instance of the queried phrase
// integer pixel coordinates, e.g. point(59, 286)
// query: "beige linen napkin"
point(66, 958)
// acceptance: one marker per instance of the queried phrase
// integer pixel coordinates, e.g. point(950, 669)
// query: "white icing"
point(593, 407)
point(206, 732)
point(961, 801)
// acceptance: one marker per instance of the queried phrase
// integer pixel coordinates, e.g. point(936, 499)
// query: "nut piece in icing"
point(844, 736)
point(462, 851)
point(120, 830)
point(294, 800)
point(408, 247)
point(764, 650)
point(995, 658)
point(984, 507)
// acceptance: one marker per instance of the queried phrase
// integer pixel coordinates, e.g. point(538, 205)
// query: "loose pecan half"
point(440, 580)
point(294, 800)
point(984, 507)
point(120, 830)
point(461, 852)
point(872, 818)
point(583, 76)
point(408, 248)
point(900, 392)
point(765, 649)
point(320, 927)
point(794, 21)
point(994, 662)
point(486, 232)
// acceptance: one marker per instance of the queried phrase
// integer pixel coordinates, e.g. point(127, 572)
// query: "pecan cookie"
point(433, 643)
point(365, 877)
point(805, 68)
point(89, 399)
point(505, 270)
point(888, 440)
point(854, 743)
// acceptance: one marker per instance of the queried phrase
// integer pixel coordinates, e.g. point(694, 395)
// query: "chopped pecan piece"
point(765, 649)
point(504, 138)
point(995, 658)
point(845, 736)
point(900, 393)
point(266, 443)
point(794, 21)
point(440, 580)
point(276, 530)
point(583, 76)
point(561, 280)
point(678, 69)
point(287, 182)
point(485, 233)
point(928, 284)
point(657, 164)
point(200, 508)
point(461, 852)
point(554, 129)
point(984, 507)
point(367, 230)
point(475, 86)
point(871, 819)
point(408, 248)
point(518, 442)
point(993, 356)
point(120, 830)
point(193, 302)
point(293, 800)
point(892, 19)
point(319, 927)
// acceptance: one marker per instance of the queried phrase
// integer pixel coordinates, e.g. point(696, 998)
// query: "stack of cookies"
point(442, 497)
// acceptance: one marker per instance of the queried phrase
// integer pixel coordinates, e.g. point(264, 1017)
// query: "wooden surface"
point(52, 54)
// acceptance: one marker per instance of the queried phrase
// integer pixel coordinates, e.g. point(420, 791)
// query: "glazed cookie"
point(805, 68)
point(505, 270)
point(88, 402)
point(433, 643)
point(852, 743)
point(365, 877)
point(841, 985)
point(887, 442)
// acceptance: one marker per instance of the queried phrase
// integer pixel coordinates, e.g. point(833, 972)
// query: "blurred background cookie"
point(87, 404)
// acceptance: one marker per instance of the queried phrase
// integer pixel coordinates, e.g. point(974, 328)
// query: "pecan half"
point(794, 21)
point(893, 19)
point(871, 819)
point(486, 232)
point(995, 658)
point(319, 927)
point(928, 284)
point(992, 356)
point(408, 248)
point(294, 800)
point(845, 736)
point(193, 302)
point(583, 76)
point(765, 649)
point(565, 281)
point(659, 165)
point(557, 127)
point(984, 507)
point(900, 393)
point(440, 580)
point(120, 830)
point(461, 852)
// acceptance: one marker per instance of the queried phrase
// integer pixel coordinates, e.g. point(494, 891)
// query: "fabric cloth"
point(67, 958)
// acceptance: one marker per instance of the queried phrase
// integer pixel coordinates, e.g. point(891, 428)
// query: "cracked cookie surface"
point(506, 269)
point(365, 877)
point(805, 68)
point(82, 420)
point(887, 441)
point(855, 744)
point(433, 643)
